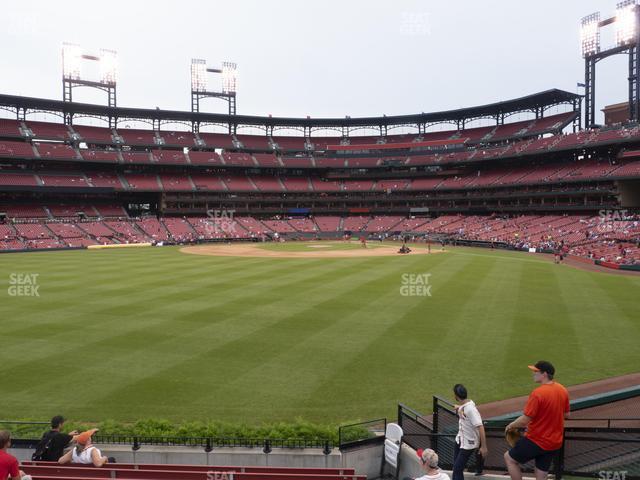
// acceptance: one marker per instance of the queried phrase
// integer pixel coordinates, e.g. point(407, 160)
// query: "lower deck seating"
point(180, 229)
point(615, 241)
point(154, 229)
point(355, 223)
point(328, 224)
point(303, 225)
point(214, 228)
point(280, 226)
point(383, 223)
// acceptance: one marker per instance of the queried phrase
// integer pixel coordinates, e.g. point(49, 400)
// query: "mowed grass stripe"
point(103, 337)
point(101, 320)
point(103, 332)
point(126, 282)
point(481, 331)
point(251, 349)
point(370, 308)
point(605, 328)
point(534, 332)
point(142, 303)
point(400, 363)
point(272, 339)
point(130, 360)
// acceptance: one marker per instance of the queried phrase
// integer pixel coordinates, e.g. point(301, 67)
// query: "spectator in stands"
point(429, 462)
point(471, 435)
point(8, 463)
point(85, 452)
point(54, 442)
point(543, 415)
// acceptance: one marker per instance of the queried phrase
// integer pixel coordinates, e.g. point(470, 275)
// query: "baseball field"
point(326, 332)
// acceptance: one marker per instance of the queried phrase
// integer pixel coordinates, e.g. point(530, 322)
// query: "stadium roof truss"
point(536, 103)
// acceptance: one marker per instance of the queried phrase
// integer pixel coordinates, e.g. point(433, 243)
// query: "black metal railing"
point(599, 422)
point(29, 433)
point(590, 451)
point(363, 433)
point(418, 430)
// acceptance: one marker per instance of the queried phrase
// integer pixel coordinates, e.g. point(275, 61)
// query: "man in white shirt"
point(471, 435)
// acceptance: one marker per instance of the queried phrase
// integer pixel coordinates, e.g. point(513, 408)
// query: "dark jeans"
point(460, 458)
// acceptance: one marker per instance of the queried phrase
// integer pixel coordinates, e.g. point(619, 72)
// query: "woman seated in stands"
point(84, 452)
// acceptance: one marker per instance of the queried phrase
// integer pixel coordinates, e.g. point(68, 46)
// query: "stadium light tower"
point(72, 59)
point(590, 34)
point(199, 88)
point(627, 33)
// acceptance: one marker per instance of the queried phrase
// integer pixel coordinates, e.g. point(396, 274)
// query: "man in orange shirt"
point(544, 415)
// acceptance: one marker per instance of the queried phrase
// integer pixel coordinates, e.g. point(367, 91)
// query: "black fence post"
point(399, 416)
point(267, 446)
point(434, 439)
point(327, 448)
point(560, 461)
point(398, 459)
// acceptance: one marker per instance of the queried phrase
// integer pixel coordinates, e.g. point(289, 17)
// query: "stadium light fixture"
point(200, 90)
point(108, 66)
point(198, 75)
point(229, 77)
point(590, 34)
point(73, 76)
point(626, 27)
point(626, 22)
point(71, 59)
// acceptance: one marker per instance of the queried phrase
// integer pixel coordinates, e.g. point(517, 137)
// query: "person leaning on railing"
point(471, 437)
point(9, 467)
point(53, 442)
point(543, 415)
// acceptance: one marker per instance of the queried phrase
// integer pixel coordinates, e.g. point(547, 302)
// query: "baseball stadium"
point(273, 297)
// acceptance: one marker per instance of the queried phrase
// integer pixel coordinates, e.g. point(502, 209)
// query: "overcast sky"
point(318, 58)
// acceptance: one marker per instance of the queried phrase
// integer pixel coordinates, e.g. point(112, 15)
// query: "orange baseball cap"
point(84, 437)
point(543, 366)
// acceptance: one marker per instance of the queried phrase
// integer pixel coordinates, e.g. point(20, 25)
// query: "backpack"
point(43, 446)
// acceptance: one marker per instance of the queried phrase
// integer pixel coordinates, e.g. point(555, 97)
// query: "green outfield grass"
point(152, 332)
